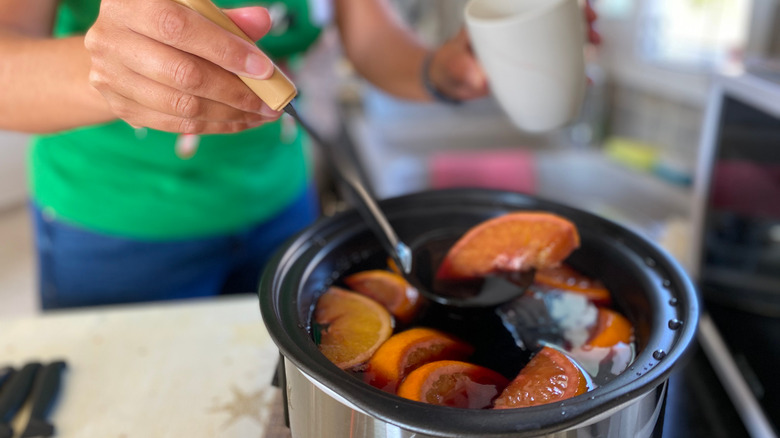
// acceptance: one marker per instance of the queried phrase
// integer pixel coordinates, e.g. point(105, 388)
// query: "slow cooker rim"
point(382, 405)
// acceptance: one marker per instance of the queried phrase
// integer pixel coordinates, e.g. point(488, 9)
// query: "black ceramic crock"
point(647, 285)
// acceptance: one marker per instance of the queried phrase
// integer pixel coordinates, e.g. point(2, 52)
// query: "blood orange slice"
point(565, 278)
point(390, 290)
point(408, 350)
point(453, 383)
point(350, 327)
point(549, 377)
point(611, 329)
point(512, 242)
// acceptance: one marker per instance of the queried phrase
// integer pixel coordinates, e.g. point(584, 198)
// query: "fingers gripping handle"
point(278, 90)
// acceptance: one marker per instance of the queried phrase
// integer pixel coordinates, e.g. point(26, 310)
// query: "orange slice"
point(611, 329)
point(549, 377)
point(350, 327)
point(393, 266)
point(390, 290)
point(408, 350)
point(512, 242)
point(453, 383)
point(565, 278)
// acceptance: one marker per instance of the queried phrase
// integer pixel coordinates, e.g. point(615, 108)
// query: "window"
point(695, 34)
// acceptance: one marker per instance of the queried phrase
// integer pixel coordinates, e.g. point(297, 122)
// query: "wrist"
point(430, 88)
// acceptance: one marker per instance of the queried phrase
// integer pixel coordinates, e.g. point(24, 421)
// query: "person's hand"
point(456, 73)
point(163, 66)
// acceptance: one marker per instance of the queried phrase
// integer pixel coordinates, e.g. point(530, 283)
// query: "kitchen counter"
point(199, 368)
point(203, 368)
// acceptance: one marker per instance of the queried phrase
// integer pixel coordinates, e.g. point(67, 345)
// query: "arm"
point(44, 81)
point(152, 63)
point(388, 54)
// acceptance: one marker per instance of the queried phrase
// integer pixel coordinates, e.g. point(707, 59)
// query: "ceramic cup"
point(532, 53)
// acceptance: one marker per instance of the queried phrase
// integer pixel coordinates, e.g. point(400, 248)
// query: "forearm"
point(45, 85)
point(381, 48)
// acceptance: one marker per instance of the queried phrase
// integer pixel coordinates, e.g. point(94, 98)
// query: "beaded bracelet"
point(428, 84)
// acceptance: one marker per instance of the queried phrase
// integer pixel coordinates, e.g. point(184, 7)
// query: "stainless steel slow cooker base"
point(315, 413)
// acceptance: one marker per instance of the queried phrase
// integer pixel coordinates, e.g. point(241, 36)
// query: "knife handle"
point(13, 396)
point(44, 395)
point(15, 391)
point(5, 374)
point(276, 91)
point(46, 388)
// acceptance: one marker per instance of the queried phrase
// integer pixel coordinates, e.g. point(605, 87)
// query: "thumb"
point(255, 21)
point(462, 38)
point(471, 70)
point(473, 74)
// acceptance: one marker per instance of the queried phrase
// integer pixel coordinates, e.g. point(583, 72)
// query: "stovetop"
point(698, 403)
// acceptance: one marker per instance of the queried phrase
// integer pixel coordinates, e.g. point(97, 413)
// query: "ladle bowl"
point(429, 250)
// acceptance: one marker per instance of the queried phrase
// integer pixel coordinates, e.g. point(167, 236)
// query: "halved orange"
point(453, 383)
point(389, 289)
point(611, 328)
point(351, 327)
point(408, 350)
point(568, 279)
point(512, 242)
point(549, 377)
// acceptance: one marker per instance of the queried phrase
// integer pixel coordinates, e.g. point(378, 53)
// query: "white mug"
point(532, 53)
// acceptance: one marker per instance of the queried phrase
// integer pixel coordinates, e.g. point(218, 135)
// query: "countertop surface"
point(203, 368)
point(194, 369)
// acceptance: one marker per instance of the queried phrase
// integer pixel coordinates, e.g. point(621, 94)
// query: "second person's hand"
point(163, 66)
point(456, 73)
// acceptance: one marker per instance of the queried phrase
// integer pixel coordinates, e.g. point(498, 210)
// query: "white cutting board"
point(187, 369)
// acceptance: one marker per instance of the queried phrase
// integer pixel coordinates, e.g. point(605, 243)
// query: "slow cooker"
point(648, 286)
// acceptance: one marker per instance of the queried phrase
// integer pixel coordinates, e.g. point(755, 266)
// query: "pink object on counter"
point(504, 169)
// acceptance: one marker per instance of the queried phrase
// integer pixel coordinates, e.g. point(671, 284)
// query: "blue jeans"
point(83, 268)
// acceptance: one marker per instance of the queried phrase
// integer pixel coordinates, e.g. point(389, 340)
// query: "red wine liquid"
point(506, 337)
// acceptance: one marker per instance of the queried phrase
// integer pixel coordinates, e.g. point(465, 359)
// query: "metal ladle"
point(278, 93)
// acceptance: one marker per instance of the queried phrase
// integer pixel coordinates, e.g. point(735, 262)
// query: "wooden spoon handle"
point(278, 90)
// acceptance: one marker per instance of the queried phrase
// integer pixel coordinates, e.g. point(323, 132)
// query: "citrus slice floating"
point(389, 289)
point(408, 350)
point(350, 327)
point(393, 266)
point(611, 329)
point(453, 383)
point(565, 278)
point(549, 377)
point(512, 242)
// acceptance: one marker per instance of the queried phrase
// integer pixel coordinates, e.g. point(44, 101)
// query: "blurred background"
point(631, 155)
point(679, 87)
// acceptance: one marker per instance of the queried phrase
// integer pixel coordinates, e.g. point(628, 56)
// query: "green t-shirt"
point(118, 180)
